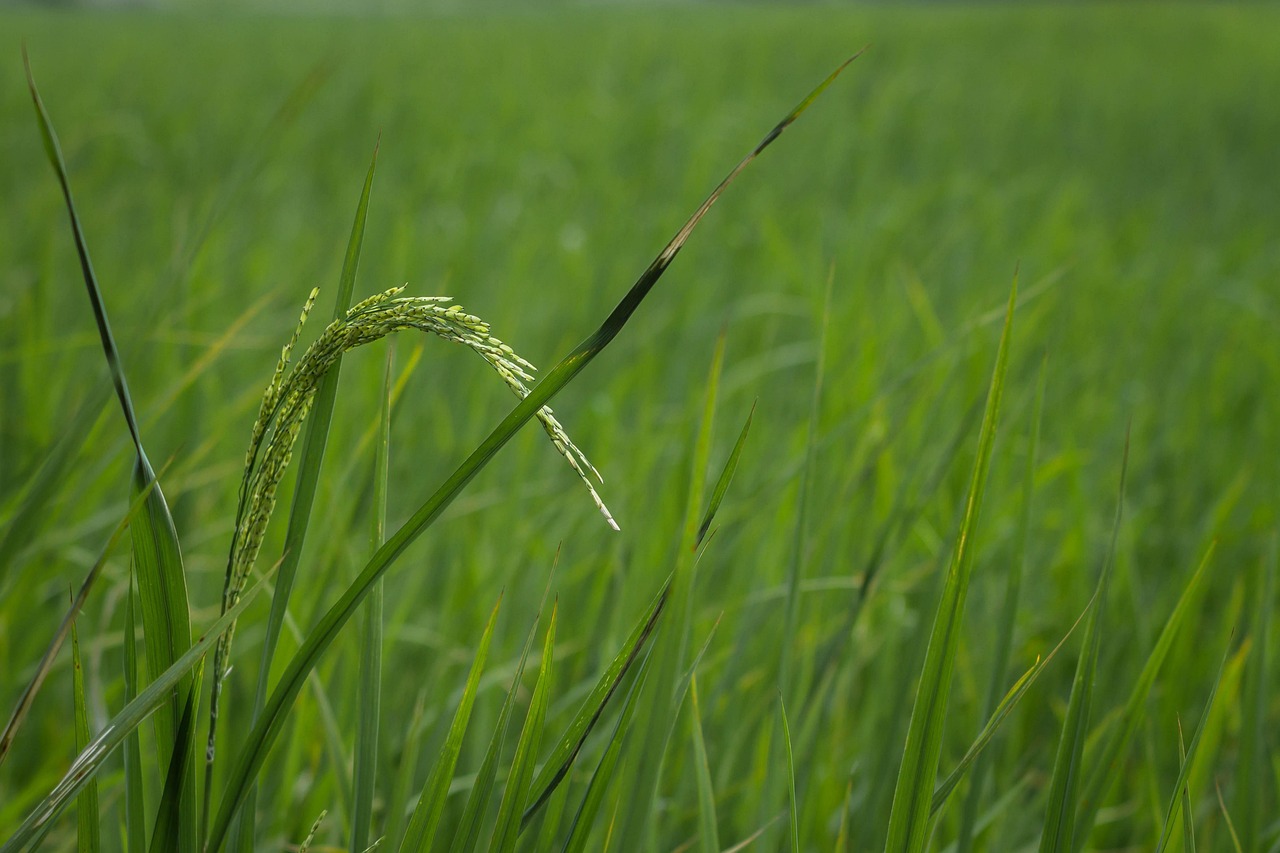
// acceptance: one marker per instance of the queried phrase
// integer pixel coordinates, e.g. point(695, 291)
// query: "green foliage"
point(528, 165)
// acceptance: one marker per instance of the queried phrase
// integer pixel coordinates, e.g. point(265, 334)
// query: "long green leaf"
point(584, 818)
point(264, 732)
point(562, 757)
point(1006, 620)
point(89, 832)
point(998, 716)
point(726, 477)
point(1259, 689)
point(1062, 810)
point(1185, 772)
point(366, 759)
point(90, 760)
point(913, 793)
point(315, 437)
point(168, 835)
point(793, 808)
point(708, 831)
point(135, 813)
point(1106, 765)
point(426, 814)
point(516, 793)
point(468, 829)
point(157, 555)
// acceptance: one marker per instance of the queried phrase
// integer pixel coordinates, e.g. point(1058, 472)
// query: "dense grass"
point(530, 166)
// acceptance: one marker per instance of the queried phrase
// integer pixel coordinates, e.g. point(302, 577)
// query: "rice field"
point(893, 551)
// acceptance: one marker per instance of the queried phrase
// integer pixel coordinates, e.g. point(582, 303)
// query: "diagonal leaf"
point(258, 741)
point(562, 757)
point(1189, 761)
point(89, 834)
point(913, 793)
point(998, 715)
point(134, 803)
point(1006, 620)
point(726, 477)
point(584, 819)
point(516, 793)
point(468, 829)
point(793, 809)
point(426, 814)
point(1064, 786)
point(708, 831)
point(1107, 764)
point(167, 835)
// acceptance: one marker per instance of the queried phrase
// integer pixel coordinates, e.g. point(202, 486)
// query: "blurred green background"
point(1121, 157)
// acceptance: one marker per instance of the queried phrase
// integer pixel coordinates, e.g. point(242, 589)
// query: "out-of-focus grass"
point(530, 166)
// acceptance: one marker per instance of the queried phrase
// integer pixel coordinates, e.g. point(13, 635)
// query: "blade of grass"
point(708, 833)
point(468, 829)
point(157, 555)
point(1189, 761)
point(562, 757)
point(1188, 828)
point(168, 835)
point(397, 809)
point(1062, 809)
point(726, 477)
point(366, 758)
point(135, 813)
point(584, 818)
point(1250, 805)
point(1226, 818)
point(998, 716)
point(88, 830)
point(793, 808)
point(426, 814)
point(913, 793)
point(315, 437)
point(90, 760)
point(516, 793)
point(1106, 766)
point(1007, 618)
point(263, 734)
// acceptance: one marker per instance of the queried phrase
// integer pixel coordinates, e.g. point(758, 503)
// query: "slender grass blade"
point(157, 555)
point(1188, 762)
point(135, 813)
point(708, 831)
point(89, 831)
point(468, 830)
point(562, 757)
point(726, 477)
point(584, 818)
point(1007, 618)
point(430, 805)
point(1063, 806)
point(793, 807)
point(168, 835)
point(913, 793)
point(1106, 765)
point(516, 793)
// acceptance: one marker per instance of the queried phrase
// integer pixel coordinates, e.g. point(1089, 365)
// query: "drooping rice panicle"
point(290, 393)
